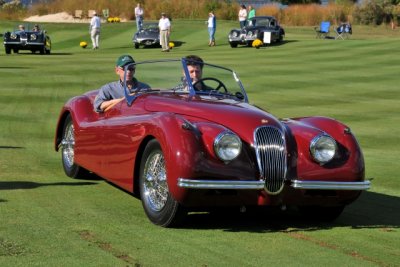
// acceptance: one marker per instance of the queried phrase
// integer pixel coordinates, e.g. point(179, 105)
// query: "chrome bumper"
point(322, 185)
point(258, 185)
point(218, 184)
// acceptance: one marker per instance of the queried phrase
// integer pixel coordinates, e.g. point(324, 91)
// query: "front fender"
point(348, 166)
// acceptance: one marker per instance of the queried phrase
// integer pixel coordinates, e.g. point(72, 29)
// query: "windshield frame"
point(130, 98)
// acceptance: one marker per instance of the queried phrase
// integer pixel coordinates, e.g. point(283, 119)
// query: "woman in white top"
point(242, 16)
point(212, 25)
point(139, 16)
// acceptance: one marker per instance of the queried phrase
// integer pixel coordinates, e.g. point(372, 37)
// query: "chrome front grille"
point(270, 147)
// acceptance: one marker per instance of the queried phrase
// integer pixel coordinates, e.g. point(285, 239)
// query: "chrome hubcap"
point(155, 181)
point(68, 144)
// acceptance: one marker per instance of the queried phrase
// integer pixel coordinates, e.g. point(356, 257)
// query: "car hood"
point(241, 118)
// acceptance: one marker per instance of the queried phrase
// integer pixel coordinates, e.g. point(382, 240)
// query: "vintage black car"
point(148, 36)
point(264, 28)
point(27, 38)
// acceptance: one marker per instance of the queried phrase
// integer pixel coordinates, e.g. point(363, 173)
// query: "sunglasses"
point(130, 68)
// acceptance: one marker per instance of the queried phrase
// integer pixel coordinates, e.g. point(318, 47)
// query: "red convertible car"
point(182, 147)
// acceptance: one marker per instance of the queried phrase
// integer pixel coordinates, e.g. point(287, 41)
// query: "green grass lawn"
point(47, 219)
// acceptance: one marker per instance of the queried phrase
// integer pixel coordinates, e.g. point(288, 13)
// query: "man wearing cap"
point(113, 92)
point(94, 30)
point(165, 28)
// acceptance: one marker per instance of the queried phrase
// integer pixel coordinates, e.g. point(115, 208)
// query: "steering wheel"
point(207, 88)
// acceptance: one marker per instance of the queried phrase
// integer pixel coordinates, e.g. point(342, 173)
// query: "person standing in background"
point(212, 26)
point(139, 12)
point(252, 12)
point(242, 16)
point(165, 29)
point(94, 30)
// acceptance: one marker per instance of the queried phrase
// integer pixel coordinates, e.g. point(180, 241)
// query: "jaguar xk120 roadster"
point(181, 146)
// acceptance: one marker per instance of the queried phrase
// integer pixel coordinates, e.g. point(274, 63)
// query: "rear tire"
point(68, 152)
point(159, 205)
point(42, 50)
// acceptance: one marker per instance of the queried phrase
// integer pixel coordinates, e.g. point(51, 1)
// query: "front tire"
point(322, 214)
point(68, 152)
point(159, 205)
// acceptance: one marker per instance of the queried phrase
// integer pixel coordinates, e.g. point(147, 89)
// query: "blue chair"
point(323, 30)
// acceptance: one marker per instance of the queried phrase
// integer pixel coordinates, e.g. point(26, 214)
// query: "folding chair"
point(323, 30)
point(106, 13)
point(343, 31)
point(78, 14)
point(91, 13)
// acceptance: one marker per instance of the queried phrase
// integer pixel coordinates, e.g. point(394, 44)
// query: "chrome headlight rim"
point(323, 148)
point(13, 36)
point(227, 146)
point(33, 37)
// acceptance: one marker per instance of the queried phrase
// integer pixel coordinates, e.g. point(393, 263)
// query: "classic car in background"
point(148, 36)
point(264, 28)
point(179, 147)
point(26, 38)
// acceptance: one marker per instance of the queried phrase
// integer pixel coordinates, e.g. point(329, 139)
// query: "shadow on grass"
point(11, 147)
point(38, 54)
point(14, 185)
point(371, 210)
point(269, 45)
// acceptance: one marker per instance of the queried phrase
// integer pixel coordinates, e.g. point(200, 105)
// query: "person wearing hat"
point(165, 29)
point(113, 92)
point(94, 30)
point(36, 28)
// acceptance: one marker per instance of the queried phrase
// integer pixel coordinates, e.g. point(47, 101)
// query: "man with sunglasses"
point(113, 92)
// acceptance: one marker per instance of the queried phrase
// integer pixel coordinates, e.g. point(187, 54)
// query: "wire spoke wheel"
point(160, 207)
point(155, 181)
point(68, 144)
point(71, 169)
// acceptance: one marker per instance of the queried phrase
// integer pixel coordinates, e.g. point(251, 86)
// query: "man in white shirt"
point(165, 28)
point(94, 30)
point(139, 12)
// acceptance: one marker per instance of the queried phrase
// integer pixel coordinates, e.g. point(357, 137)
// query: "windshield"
point(150, 26)
point(178, 76)
point(265, 22)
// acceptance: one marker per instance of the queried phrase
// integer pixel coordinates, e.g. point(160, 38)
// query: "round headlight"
point(33, 37)
point(13, 36)
point(323, 148)
point(227, 146)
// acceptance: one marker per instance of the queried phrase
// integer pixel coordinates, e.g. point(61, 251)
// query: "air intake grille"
point(270, 149)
